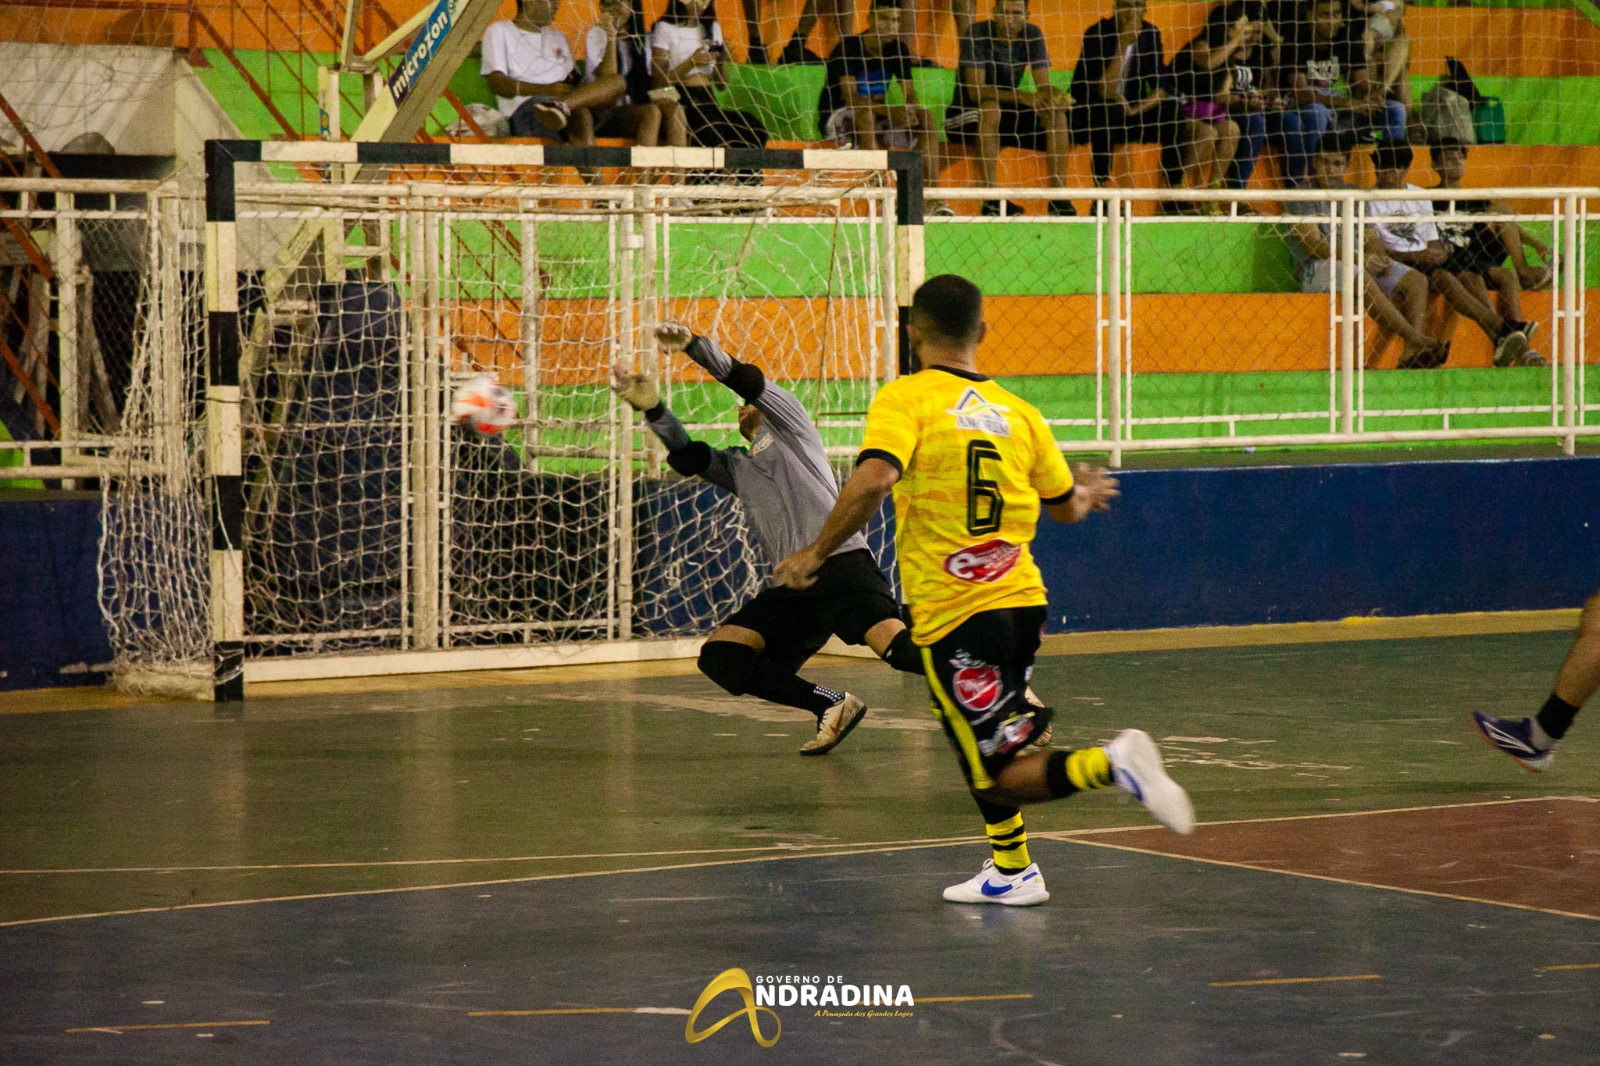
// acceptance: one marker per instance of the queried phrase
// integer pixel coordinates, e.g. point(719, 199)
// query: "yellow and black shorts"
point(977, 674)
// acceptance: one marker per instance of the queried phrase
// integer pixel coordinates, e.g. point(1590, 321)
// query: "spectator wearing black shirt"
point(855, 109)
point(1479, 251)
point(1219, 91)
point(1318, 54)
point(1126, 95)
point(991, 109)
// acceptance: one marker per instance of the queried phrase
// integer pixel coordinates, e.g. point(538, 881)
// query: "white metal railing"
point(1350, 417)
point(61, 239)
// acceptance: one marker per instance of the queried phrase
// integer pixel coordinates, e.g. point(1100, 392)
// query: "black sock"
point(1556, 716)
point(793, 691)
point(904, 655)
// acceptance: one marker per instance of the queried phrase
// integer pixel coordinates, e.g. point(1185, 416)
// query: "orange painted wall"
point(1029, 335)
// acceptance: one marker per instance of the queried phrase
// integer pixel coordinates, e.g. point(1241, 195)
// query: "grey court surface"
point(554, 873)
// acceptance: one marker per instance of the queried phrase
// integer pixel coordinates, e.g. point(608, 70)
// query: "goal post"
point(350, 286)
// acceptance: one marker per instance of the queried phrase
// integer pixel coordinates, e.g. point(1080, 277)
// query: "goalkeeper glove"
point(636, 390)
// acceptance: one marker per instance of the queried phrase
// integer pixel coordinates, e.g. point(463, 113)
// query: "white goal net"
point(352, 527)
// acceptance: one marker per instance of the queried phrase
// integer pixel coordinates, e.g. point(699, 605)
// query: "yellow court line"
point(168, 1025)
point(677, 1010)
point(563, 1010)
point(1574, 966)
point(1470, 624)
point(1331, 880)
point(1297, 980)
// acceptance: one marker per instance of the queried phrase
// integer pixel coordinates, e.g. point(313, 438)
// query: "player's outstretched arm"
point(783, 413)
point(1092, 490)
point(689, 457)
point(858, 501)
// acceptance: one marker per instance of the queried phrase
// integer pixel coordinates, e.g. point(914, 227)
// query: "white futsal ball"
point(484, 404)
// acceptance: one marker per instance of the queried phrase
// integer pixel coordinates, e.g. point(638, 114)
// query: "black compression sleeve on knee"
point(1055, 775)
point(728, 663)
point(691, 460)
point(904, 655)
point(747, 380)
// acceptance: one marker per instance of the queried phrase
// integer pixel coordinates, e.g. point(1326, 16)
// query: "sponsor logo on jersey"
point(972, 411)
point(1012, 734)
point(983, 563)
point(977, 685)
point(763, 441)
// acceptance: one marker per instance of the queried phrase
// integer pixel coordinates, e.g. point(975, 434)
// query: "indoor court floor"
point(551, 867)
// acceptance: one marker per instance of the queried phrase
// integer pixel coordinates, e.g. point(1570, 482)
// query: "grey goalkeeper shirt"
point(783, 478)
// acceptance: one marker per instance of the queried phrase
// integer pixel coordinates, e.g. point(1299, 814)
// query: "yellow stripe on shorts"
point(966, 740)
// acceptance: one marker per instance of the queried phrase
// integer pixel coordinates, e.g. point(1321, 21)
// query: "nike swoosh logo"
point(1130, 785)
point(989, 888)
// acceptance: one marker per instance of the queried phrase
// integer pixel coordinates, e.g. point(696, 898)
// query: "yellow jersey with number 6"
point(975, 461)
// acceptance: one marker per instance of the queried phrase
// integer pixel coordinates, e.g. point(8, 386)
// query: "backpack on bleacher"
point(1445, 114)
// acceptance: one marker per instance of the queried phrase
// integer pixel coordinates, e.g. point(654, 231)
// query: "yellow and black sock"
point(1007, 837)
point(1077, 771)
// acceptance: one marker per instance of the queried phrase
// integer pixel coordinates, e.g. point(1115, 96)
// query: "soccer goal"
point(341, 524)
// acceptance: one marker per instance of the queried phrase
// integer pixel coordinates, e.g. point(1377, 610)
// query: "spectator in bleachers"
point(615, 47)
point(1388, 47)
point(1479, 250)
point(688, 54)
point(991, 109)
point(1126, 95)
point(1411, 238)
point(1220, 91)
point(529, 67)
point(854, 109)
point(1318, 54)
point(1396, 295)
point(1489, 244)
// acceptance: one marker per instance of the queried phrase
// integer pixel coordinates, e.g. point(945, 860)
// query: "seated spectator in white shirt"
point(616, 46)
point(1412, 239)
point(1396, 295)
point(529, 67)
point(688, 55)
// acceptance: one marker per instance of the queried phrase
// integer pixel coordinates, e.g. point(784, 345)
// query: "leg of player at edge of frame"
point(1532, 741)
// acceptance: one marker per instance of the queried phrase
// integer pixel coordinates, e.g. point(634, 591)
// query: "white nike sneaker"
point(991, 886)
point(1136, 769)
point(835, 725)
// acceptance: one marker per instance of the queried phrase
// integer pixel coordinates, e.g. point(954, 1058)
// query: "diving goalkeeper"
point(787, 488)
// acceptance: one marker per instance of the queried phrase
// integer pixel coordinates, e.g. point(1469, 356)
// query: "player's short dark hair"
point(1393, 155)
point(1337, 142)
point(948, 306)
point(1446, 144)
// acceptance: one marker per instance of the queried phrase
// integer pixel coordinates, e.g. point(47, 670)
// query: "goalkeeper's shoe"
point(835, 725)
point(1516, 738)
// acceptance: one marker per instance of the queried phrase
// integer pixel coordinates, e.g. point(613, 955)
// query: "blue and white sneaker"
point(1516, 739)
point(1136, 768)
point(1010, 890)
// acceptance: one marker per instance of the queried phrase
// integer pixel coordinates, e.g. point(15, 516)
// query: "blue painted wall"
point(1227, 546)
point(49, 612)
point(1238, 546)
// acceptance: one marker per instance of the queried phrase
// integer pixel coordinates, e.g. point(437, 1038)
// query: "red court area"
point(1543, 854)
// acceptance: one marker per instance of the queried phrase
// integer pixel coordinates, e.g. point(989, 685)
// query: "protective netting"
point(1225, 93)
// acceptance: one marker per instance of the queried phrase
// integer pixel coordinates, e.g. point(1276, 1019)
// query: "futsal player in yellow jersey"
point(971, 466)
